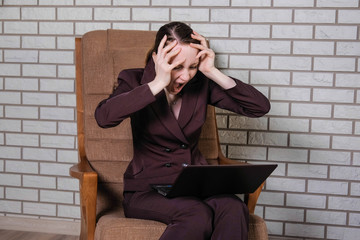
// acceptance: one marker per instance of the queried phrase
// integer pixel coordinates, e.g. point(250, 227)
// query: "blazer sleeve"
point(243, 99)
point(128, 98)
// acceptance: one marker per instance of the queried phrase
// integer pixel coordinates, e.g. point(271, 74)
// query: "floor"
point(16, 235)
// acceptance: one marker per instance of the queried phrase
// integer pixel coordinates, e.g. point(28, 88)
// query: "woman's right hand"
point(164, 65)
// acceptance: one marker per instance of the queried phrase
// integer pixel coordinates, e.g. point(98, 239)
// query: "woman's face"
point(184, 72)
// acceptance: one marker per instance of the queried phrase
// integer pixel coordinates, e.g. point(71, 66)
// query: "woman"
point(167, 102)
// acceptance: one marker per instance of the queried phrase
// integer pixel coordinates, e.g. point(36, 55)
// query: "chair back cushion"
point(104, 54)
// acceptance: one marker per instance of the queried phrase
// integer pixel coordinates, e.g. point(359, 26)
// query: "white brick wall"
point(303, 54)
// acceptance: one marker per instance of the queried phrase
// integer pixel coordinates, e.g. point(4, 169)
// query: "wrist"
point(156, 85)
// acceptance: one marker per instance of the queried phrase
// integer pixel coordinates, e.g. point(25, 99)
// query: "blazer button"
point(167, 150)
point(183, 146)
point(167, 164)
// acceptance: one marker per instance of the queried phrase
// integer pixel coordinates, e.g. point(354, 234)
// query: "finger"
point(170, 46)
point(200, 38)
point(177, 63)
point(172, 54)
point(198, 46)
point(162, 44)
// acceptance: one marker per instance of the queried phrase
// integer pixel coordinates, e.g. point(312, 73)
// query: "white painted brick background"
point(302, 54)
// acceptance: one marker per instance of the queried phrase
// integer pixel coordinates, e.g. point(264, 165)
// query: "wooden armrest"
point(250, 199)
point(88, 194)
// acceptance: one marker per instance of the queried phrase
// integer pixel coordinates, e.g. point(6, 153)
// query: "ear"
point(153, 55)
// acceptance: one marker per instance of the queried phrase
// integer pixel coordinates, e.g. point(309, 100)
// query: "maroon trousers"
point(216, 218)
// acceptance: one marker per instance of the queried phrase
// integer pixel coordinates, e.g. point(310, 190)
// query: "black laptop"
point(208, 180)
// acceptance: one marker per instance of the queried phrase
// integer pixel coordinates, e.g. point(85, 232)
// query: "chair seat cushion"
point(114, 227)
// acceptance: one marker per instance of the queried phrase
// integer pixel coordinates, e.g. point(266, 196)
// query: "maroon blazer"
point(163, 144)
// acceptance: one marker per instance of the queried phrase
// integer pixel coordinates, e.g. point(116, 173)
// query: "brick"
point(131, 26)
point(212, 30)
point(39, 209)
point(65, 57)
point(345, 173)
point(333, 95)
point(285, 184)
point(230, 46)
point(285, 214)
point(313, 48)
point(356, 160)
point(222, 61)
point(290, 94)
point(347, 143)
point(39, 127)
point(349, 16)
point(250, 153)
point(56, 113)
point(58, 2)
point(66, 43)
point(270, 77)
point(70, 184)
point(22, 194)
point(22, 84)
point(67, 100)
point(348, 48)
point(235, 137)
point(279, 109)
point(344, 203)
point(10, 152)
point(292, 31)
point(347, 112)
point(305, 201)
point(270, 47)
point(271, 198)
point(328, 187)
point(46, 99)
point(8, 69)
point(70, 13)
point(56, 196)
point(250, 31)
point(56, 28)
point(354, 219)
point(170, 3)
point(230, 15)
point(240, 122)
point(249, 62)
point(287, 155)
point(309, 141)
point(38, 42)
point(332, 127)
point(335, 32)
point(84, 27)
point(20, 2)
point(312, 79)
point(38, 13)
point(39, 154)
point(10, 13)
point(342, 232)
point(334, 64)
point(9, 41)
point(355, 189)
point(54, 169)
point(10, 97)
point(67, 156)
point(39, 70)
point(337, 3)
point(21, 27)
point(243, 75)
point(10, 206)
point(347, 80)
point(131, 2)
point(68, 211)
point(57, 141)
point(150, 14)
point(112, 14)
point(315, 16)
point(288, 124)
point(21, 112)
point(310, 110)
point(274, 228)
point(7, 125)
point(273, 15)
point(294, 3)
point(307, 171)
point(210, 2)
point(291, 63)
point(67, 128)
point(93, 2)
point(330, 157)
point(57, 85)
point(66, 71)
point(7, 179)
point(221, 121)
point(309, 231)
point(187, 14)
point(268, 139)
point(242, 3)
point(39, 182)
point(16, 139)
point(326, 217)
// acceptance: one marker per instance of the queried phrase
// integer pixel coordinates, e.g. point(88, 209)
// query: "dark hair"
point(178, 31)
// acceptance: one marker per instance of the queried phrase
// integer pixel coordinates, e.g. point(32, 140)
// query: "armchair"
point(100, 55)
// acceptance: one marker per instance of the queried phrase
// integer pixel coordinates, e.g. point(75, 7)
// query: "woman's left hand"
point(206, 55)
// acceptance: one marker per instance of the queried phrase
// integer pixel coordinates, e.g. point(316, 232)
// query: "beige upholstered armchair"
point(100, 55)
